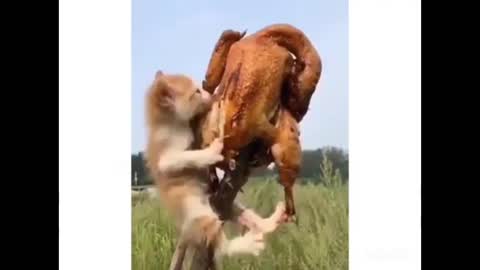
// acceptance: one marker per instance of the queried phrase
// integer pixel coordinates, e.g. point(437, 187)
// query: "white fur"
point(271, 166)
point(263, 225)
point(176, 158)
point(175, 161)
point(178, 137)
point(250, 243)
point(195, 207)
point(196, 106)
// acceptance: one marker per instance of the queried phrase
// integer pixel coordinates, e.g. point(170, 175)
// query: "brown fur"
point(263, 93)
point(268, 52)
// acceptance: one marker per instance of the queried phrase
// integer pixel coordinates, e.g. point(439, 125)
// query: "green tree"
point(139, 168)
point(337, 157)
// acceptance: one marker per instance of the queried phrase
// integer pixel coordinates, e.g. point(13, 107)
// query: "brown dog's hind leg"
point(267, 132)
point(287, 154)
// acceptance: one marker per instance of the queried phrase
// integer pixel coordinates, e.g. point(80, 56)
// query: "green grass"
point(319, 242)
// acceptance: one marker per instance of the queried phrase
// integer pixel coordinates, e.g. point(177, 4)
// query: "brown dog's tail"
point(307, 70)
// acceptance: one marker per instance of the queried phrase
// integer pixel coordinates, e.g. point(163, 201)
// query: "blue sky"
point(178, 37)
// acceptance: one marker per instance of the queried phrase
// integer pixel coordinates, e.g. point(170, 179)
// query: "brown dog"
point(263, 92)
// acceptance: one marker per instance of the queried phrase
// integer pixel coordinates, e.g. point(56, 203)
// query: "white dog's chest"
point(178, 137)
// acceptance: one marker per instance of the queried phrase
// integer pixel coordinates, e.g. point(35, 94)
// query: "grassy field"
point(319, 242)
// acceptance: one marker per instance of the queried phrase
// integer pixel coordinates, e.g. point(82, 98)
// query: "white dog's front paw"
point(216, 146)
point(253, 243)
point(212, 158)
point(270, 224)
point(250, 243)
point(213, 153)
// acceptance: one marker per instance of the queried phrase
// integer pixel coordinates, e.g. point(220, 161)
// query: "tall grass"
point(320, 241)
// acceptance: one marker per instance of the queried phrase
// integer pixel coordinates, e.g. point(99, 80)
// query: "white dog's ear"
point(166, 97)
point(164, 94)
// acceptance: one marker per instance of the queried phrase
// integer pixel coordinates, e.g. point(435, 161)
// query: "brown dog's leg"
point(287, 154)
point(266, 131)
point(218, 60)
point(251, 220)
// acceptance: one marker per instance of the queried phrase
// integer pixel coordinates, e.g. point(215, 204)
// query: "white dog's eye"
point(198, 91)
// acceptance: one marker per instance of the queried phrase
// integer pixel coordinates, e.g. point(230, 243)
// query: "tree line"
point(311, 166)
